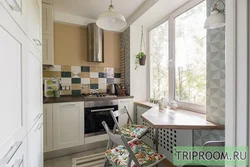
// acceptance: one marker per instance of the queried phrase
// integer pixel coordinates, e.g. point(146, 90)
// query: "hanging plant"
point(141, 56)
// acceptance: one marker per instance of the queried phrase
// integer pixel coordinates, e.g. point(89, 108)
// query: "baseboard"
point(74, 150)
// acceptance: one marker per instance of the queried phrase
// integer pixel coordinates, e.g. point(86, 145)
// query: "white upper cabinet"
point(128, 103)
point(48, 49)
point(13, 108)
point(17, 9)
point(34, 22)
point(68, 125)
point(47, 13)
point(48, 34)
point(34, 85)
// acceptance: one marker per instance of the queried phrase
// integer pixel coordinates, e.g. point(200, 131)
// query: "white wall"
point(138, 77)
point(72, 19)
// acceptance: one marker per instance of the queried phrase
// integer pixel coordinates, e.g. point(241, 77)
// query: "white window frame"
point(171, 31)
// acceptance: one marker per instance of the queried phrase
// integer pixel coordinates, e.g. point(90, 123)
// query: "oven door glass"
point(94, 117)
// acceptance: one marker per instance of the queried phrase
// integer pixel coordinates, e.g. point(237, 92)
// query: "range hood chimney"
point(95, 44)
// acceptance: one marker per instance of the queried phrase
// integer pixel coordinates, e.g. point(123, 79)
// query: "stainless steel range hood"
point(95, 44)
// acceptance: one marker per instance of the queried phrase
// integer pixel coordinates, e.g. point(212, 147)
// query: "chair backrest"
point(215, 143)
point(118, 113)
point(120, 140)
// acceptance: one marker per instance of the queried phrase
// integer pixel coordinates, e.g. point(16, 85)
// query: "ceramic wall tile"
point(83, 79)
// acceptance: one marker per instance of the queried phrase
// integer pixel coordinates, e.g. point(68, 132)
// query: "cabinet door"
point(47, 127)
point(68, 125)
point(48, 50)
point(20, 157)
point(47, 19)
point(139, 111)
point(34, 85)
point(13, 108)
point(16, 8)
point(128, 103)
point(34, 23)
point(35, 145)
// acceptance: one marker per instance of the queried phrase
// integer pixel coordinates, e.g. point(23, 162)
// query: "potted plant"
point(141, 56)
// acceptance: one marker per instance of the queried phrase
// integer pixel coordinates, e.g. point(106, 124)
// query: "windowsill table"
point(176, 119)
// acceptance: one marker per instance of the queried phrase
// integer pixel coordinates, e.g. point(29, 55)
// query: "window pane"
point(190, 55)
point(159, 60)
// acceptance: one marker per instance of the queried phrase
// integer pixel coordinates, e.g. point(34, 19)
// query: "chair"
point(207, 144)
point(130, 131)
point(134, 153)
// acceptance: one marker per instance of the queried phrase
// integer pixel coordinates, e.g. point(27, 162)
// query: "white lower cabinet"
point(35, 146)
point(20, 158)
point(128, 103)
point(68, 125)
point(47, 128)
point(139, 111)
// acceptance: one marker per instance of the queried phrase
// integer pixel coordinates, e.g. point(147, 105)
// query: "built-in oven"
point(95, 112)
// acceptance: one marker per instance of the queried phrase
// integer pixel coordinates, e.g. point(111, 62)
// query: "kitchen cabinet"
point(48, 50)
point(48, 34)
point(128, 103)
point(35, 146)
point(13, 107)
point(34, 22)
point(17, 9)
point(47, 128)
point(47, 19)
point(21, 86)
point(139, 111)
point(68, 125)
point(34, 85)
point(20, 158)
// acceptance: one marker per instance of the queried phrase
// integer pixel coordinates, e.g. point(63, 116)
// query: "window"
point(190, 56)
point(159, 60)
point(178, 61)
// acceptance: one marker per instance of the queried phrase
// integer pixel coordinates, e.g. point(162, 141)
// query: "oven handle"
point(99, 110)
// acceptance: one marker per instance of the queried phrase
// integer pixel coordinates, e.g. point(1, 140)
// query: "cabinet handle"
point(69, 104)
point(13, 149)
point(18, 163)
point(39, 126)
point(37, 117)
point(38, 42)
point(13, 5)
point(100, 110)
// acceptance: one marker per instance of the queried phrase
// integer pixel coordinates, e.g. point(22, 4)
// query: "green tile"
point(75, 80)
point(76, 92)
point(117, 75)
point(85, 69)
point(66, 74)
point(93, 86)
point(102, 75)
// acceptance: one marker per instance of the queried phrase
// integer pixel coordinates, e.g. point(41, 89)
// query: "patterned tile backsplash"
point(83, 79)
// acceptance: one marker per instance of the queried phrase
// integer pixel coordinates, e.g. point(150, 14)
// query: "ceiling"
point(92, 8)
point(158, 11)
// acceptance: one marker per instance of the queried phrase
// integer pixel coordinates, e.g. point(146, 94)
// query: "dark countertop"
point(65, 99)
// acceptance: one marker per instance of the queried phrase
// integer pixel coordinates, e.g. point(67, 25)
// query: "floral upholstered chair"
point(129, 130)
point(134, 153)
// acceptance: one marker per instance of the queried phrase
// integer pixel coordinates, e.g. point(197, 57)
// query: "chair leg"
point(106, 162)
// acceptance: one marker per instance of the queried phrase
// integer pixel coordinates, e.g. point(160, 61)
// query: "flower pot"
point(142, 61)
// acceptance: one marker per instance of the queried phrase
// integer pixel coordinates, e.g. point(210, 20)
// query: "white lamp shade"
point(111, 21)
point(215, 20)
